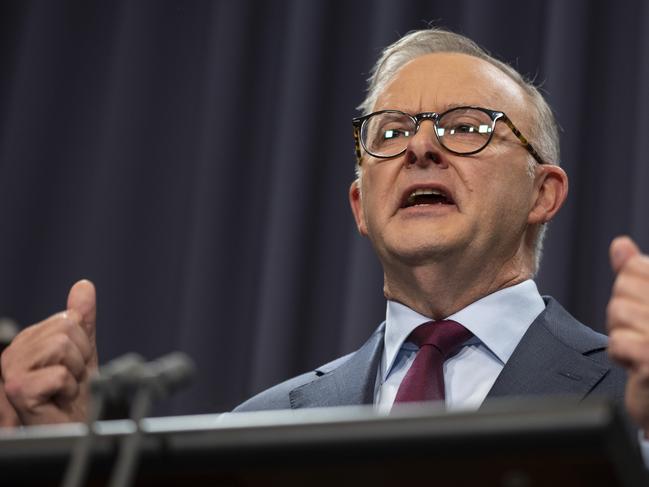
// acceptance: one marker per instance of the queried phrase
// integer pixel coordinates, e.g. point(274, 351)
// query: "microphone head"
point(8, 330)
point(129, 372)
point(170, 373)
point(118, 375)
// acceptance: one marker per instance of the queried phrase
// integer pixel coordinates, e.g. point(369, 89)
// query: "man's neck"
point(439, 289)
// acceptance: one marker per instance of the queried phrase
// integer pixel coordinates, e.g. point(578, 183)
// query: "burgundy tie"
point(436, 340)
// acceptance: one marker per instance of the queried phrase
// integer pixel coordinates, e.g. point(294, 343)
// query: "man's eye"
point(395, 133)
point(466, 128)
point(463, 128)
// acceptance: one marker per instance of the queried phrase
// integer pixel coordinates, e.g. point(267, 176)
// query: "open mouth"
point(427, 196)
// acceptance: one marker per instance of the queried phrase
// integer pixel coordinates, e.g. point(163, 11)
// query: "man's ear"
point(551, 185)
point(357, 207)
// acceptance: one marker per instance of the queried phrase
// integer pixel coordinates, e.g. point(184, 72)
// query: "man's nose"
point(423, 148)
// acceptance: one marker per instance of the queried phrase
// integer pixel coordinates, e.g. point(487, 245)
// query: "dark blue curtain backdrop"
point(192, 158)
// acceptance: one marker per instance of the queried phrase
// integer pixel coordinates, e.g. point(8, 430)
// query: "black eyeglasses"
point(460, 130)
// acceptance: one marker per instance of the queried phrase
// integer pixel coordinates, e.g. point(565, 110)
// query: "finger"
point(630, 285)
point(61, 349)
point(68, 324)
point(49, 325)
point(629, 348)
point(36, 388)
point(637, 265)
point(58, 340)
point(72, 328)
point(8, 416)
point(627, 313)
point(83, 299)
point(621, 250)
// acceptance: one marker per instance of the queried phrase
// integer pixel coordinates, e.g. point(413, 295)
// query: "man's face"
point(489, 194)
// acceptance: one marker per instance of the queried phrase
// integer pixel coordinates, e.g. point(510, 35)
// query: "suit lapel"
point(350, 383)
point(550, 359)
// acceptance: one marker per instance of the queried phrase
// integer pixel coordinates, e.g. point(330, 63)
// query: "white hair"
point(544, 131)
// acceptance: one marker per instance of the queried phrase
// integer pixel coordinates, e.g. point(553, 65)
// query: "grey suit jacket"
point(556, 356)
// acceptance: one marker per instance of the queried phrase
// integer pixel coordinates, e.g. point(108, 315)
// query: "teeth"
point(428, 191)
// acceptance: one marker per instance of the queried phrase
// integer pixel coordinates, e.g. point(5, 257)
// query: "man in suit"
point(454, 200)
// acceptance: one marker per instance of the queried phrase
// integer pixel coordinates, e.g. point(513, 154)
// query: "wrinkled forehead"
point(437, 81)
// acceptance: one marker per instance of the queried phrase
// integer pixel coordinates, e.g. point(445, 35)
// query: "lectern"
point(516, 443)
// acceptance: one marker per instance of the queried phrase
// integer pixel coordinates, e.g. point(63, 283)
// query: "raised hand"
point(628, 324)
point(47, 367)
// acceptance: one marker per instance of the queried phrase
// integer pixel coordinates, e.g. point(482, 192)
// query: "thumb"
point(621, 250)
point(83, 299)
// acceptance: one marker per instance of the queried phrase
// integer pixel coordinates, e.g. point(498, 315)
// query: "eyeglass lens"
point(461, 130)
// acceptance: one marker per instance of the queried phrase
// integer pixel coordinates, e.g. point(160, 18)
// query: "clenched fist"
point(628, 324)
point(47, 367)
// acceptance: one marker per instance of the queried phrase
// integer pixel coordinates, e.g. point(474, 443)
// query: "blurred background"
point(193, 158)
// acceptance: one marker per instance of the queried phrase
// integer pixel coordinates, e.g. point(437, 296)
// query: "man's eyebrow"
point(442, 108)
point(448, 106)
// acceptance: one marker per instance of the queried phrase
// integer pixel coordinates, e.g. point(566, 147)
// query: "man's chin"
point(422, 254)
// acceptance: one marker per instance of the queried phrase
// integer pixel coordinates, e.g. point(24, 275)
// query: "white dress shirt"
point(498, 322)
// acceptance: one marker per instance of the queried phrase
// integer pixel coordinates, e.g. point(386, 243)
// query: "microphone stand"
point(157, 379)
point(111, 382)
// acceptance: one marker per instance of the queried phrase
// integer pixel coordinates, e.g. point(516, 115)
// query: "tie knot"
point(446, 336)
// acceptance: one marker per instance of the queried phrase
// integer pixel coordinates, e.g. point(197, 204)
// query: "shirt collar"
point(498, 320)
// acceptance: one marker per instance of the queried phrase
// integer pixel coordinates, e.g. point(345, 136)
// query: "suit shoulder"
point(590, 344)
point(571, 331)
point(277, 397)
